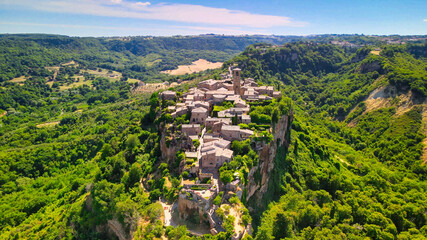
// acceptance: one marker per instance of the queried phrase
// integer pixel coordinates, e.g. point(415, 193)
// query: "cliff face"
point(191, 207)
point(259, 175)
point(117, 228)
point(169, 144)
point(112, 229)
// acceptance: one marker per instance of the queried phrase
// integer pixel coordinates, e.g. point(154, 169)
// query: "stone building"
point(168, 95)
point(236, 81)
point(215, 153)
point(234, 132)
point(199, 115)
point(190, 129)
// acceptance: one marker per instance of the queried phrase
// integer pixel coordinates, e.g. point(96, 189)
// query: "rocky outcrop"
point(259, 175)
point(113, 228)
point(116, 227)
point(192, 206)
point(169, 144)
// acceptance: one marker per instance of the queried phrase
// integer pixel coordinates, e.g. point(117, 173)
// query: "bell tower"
point(236, 81)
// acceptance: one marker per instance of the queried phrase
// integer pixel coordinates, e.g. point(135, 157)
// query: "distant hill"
point(144, 57)
point(135, 57)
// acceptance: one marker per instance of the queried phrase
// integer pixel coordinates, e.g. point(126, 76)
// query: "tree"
point(132, 142)
point(196, 143)
point(106, 151)
point(135, 174)
point(275, 116)
point(226, 176)
point(69, 120)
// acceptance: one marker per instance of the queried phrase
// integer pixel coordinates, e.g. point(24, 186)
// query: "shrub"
point(217, 200)
point(234, 200)
point(196, 143)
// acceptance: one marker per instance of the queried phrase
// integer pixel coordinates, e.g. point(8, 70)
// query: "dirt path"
point(48, 124)
point(342, 160)
point(235, 211)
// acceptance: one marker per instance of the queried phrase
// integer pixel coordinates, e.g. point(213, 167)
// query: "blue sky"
point(165, 18)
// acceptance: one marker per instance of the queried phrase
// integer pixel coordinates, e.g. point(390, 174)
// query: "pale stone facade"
point(168, 95)
point(199, 115)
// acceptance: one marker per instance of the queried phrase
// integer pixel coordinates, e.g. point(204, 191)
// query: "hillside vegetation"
point(135, 57)
point(341, 180)
point(84, 163)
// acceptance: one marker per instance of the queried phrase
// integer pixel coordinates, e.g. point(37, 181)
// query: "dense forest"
point(71, 161)
point(353, 170)
point(144, 57)
point(135, 57)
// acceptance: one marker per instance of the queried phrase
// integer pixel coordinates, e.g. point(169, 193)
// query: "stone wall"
point(189, 207)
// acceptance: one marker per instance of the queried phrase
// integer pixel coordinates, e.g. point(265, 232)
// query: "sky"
point(230, 17)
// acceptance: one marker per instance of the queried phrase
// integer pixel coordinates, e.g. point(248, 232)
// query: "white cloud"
point(143, 4)
point(145, 30)
point(168, 12)
point(425, 20)
point(66, 26)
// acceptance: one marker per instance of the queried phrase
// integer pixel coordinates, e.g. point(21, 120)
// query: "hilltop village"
point(216, 109)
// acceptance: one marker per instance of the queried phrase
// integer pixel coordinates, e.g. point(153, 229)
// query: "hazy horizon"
point(97, 18)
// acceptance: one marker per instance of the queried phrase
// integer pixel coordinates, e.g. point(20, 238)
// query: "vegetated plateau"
point(82, 154)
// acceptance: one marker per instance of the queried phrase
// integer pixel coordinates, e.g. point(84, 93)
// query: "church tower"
point(236, 81)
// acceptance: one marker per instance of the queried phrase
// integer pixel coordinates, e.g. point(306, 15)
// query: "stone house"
point(197, 104)
point(199, 115)
point(210, 122)
point(233, 132)
point(267, 90)
point(168, 95)
point(214, 154)
point(246, 119)
point(250, 94)
point(250, 82)
point(190, 129)
point(239, 103)
point(199, 96)
point(218, 98)
point(179, 112)
point(228, 86)
point(208, 84)
point(221, 91)
point(231, 112)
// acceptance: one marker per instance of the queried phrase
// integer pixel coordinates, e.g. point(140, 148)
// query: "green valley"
point(316, 137)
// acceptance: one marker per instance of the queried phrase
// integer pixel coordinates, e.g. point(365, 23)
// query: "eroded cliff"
point(259, 175)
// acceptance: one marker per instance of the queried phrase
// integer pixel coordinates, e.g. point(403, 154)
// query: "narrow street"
point(199, 155)
point(168, 209)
